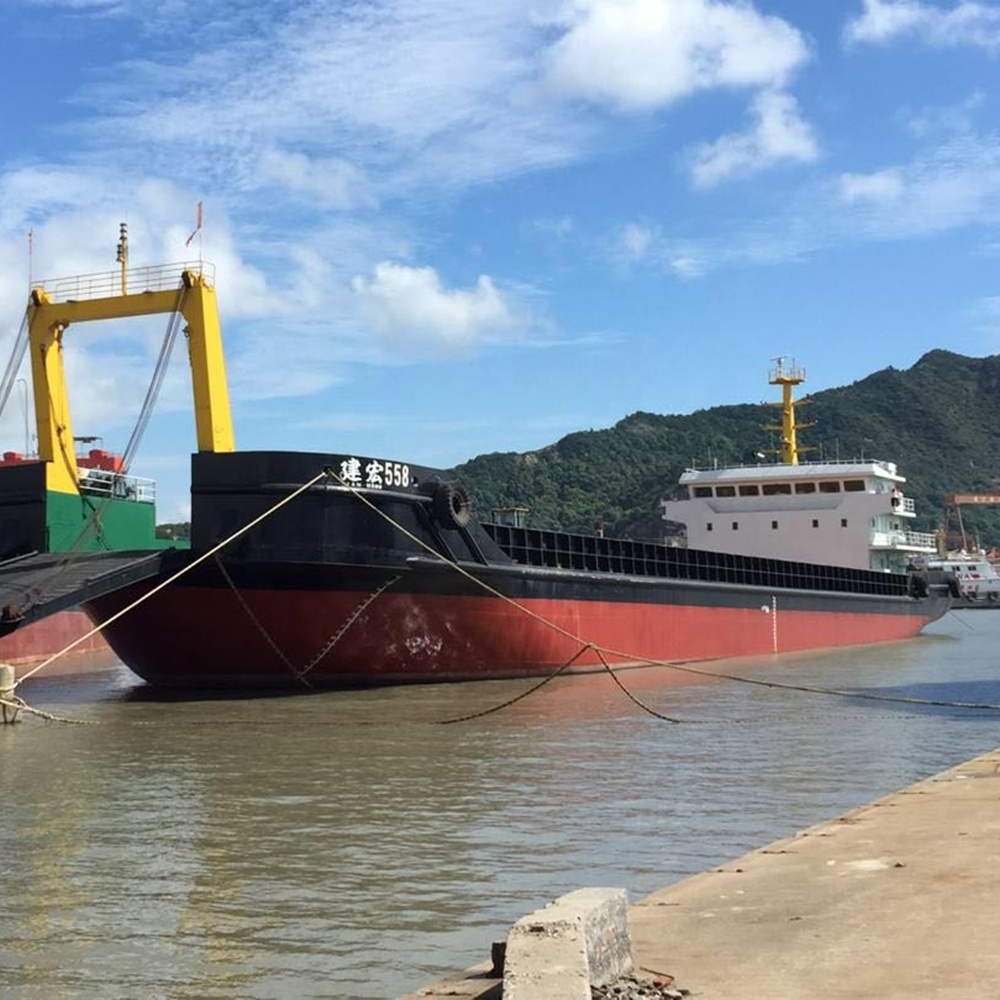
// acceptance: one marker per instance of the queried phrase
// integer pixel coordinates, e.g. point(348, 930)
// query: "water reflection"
point(349, 845)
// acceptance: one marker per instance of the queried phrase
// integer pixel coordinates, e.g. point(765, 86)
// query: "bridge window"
point(703, 491)
point(725, 491)
point(854, 486)
point(773, 489)
point(829, 487)
point(750, 490)
point(805, 487)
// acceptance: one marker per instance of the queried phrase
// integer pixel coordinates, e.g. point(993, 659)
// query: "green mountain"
point(935, 420)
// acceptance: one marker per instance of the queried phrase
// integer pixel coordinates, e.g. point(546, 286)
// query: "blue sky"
point(442, 228)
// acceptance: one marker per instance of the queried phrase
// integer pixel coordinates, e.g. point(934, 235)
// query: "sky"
point(441, 229)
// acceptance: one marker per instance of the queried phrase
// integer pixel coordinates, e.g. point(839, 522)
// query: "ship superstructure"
point(836, 513)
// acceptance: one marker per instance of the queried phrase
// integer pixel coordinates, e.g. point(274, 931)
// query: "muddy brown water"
point(349, 845)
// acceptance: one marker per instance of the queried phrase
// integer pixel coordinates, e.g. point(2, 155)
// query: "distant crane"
point(954, 503)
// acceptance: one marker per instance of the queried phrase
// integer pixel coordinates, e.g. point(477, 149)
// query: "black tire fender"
point(451, 506)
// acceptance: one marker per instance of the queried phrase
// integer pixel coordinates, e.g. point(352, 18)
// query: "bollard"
point(562, 950)
point(9, 712)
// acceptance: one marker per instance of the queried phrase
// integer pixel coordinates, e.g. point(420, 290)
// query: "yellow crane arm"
point(49, 315)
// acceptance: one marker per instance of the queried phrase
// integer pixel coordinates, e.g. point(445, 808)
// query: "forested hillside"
point(936, 420)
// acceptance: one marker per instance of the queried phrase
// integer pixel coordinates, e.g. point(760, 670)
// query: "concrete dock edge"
point(578, 941)
point(899, 898)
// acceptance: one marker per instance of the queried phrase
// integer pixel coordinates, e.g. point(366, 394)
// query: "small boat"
point(317, 570)
point(977, 578)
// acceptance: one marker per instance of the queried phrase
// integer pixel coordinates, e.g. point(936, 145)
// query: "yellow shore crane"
point(953, 504)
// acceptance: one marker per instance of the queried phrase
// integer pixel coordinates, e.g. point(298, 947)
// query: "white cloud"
point(951, 187)
point(634, 241)
point(638, 244)
point(330, 181)
point(778, 134)
point(882, 186)
point(409, 307)
point(687, 265)
point(643, 54)
point(967, 23)
point(407, 93)
point(954, 118)
point(560, 228)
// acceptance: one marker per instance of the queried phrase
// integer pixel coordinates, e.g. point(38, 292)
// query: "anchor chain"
point(300, 673)
point(336, 637)
point(259, 624)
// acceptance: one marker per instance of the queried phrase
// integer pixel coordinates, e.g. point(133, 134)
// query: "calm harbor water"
point(349, 845)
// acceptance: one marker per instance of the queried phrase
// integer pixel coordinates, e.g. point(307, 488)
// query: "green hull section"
point(34, 518)
point(99, 524)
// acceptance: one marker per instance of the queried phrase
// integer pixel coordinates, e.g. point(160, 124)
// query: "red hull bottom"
point(37, 642)
point(212, 638)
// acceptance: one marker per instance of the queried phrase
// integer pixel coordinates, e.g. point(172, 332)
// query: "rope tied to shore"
point(627, 658)
point(603, 653)
point(183, 571)
point(16, 705)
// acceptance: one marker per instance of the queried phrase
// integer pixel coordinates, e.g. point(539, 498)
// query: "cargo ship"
point(333, 570)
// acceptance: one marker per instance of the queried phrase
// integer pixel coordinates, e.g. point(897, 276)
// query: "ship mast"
point(122, 255)
point(787, 374)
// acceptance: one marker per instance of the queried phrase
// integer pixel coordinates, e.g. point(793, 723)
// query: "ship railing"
point(101, 483)
point(889, 468)
point(560, 550)
point(137, 280)
point(902, 539)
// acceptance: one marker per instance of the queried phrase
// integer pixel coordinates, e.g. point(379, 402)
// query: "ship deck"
point(35, 586)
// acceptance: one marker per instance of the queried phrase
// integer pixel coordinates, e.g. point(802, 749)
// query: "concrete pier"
point(560, 951)
point(897, 899)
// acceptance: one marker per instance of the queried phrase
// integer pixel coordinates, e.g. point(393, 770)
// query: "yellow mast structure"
point(788, 374)
point(54, 306)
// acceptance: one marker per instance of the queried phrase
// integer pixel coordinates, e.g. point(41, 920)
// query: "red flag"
point(197, 226)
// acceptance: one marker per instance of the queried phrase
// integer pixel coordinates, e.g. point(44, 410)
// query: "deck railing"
point(101, 483)
point(903, 540)
point(107, 284)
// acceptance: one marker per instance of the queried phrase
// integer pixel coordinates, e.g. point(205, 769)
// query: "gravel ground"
point(633, 988)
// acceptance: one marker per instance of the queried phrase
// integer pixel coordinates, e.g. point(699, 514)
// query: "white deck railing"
point(101, 483)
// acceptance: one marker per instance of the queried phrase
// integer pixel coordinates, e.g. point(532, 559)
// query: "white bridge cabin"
point(839, 513)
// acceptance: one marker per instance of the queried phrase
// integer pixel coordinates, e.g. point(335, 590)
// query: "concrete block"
point(560, 951)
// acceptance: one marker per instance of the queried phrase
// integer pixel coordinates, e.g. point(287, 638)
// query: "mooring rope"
point(522, 695)
point(19, 705)
point(175, 576)
point(602, 652)
point(555, 673)
point(635, 660)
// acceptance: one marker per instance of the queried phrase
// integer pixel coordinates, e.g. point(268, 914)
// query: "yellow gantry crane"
point(954, 503)
point(171, 288)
